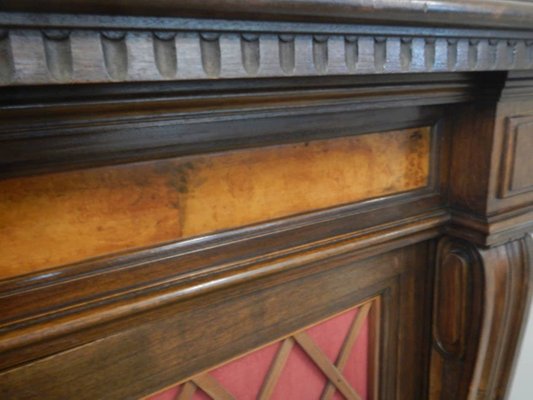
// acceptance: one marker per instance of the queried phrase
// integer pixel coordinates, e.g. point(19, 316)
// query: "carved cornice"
point(195, 50)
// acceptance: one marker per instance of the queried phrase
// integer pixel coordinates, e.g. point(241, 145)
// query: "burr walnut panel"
point(62, 218)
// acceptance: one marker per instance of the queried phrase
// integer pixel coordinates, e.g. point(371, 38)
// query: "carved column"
point(484, 276)
point(481, 298)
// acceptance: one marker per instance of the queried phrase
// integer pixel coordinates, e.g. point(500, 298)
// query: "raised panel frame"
point(512, 161)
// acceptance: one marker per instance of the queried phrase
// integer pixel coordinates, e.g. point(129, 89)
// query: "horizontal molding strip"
point(62, 56)
point(486, 13)
point(84, 296)
point(85, 137)
point(10, 20)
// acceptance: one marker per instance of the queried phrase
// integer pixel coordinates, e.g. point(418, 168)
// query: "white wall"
point(522, 385)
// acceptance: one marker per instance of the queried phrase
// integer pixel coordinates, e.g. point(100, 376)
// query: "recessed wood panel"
point(62, 218)
point(517, 168)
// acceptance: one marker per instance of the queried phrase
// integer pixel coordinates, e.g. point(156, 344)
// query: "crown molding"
point(451, 13)
point(188, 51)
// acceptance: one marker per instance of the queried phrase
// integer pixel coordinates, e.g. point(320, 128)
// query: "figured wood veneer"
point(66, 217)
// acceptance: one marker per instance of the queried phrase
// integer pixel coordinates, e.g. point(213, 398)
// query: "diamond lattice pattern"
point(329, 360)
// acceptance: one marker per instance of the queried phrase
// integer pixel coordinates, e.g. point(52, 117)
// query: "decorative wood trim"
point(451, 302)
point(81, 297)
point(209, 385)
point(334, 373)
point(123, 86)
point(275, 369)
point(188, 391)
point(105, 130)
point(86, 56)
point(322, 361)
point(511, 163)
point(172, 346)
point(507, 289)
point(498, 284)
point(347, 346)
point(374, 343)
point(487, 14)
point(479, 214)
point(494, 230)
point(456, 319)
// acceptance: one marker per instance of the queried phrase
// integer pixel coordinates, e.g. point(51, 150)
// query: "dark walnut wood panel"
point(484, 209)
point(338, 348)
point(100, 125)
point(517, 163)
point(58, 219)
point(522, 145)
point(171, 342)
point(32, 57)
point(60, 309)
point(489, 14)
point(473, 346)
point(194, 112)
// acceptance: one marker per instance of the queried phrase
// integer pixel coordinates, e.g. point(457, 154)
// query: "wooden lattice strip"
point(347, 346)
point(374, 340)
point(187, 391)
point(326, 366)
point(276, 367)
point(211, 386)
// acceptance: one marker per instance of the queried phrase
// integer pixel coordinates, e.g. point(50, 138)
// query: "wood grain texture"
point(49, 312)
point(485, 210)
point(275, 369)
point(325, 365)
point(92, 56)
point(62, 218)
point(490, 13)
point(146, 352)
point(344, 353)
point(257, 374)
point(187, 391)
point(499, 286)
point(212, 387)
point(212, 92)
point(93, 125)
point(517, 163)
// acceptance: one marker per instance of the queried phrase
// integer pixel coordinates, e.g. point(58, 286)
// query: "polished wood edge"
point(87, 135)
point(491, 231)
point(485, 14)
point(143, 353)
point(50, 50)
point(476, 361)
point(357, 218)
point(518, 86)
point(509, 162)
point(92, 294)
point(263, 93)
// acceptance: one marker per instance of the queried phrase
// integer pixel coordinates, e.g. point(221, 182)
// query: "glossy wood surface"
point(145, 352)
point(298, 366)
point(213, 188)
point(486, 13)
point(61, 218)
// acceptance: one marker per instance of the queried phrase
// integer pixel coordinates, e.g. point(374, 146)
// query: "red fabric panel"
point(300, 379)
point(243, 377)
